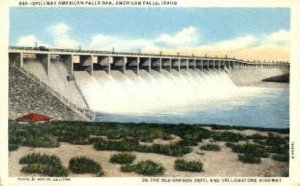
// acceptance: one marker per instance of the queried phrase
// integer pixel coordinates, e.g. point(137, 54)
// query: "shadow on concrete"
point(285, 78)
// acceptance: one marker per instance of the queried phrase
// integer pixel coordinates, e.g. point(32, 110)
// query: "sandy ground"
point(222, 163)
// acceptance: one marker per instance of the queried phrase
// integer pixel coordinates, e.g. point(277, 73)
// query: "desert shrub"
point(196, 135)
point(259, 141)
point(146, 139)
point(43, 164)
point(280, 149)
point(279, 157)
point(81, 165)
point(230, 144)
point(275, 140)
point(248, 158)
point(122, 158)
point(210, 147)
point(33, 168)
point(55, 170)
point(187, 143)
point(128, 168)
point(257, 136)
point(149, 167)
point(47, 141)
point(250, 149)
point(13, 147)
point(144, 148)
point(31, 136)
point(192, 166)
point(114, 136)
point(49, 170)
point(227, 136)
point(115, 145)
point(167, 137)
point(170, 150)
point(125, 145)
point(272, 140)
point(37, 158)
point(75, 133)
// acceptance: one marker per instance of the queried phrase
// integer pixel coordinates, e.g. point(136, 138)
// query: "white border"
point(294, 177)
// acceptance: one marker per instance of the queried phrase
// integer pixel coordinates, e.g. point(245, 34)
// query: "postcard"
point(111, 92)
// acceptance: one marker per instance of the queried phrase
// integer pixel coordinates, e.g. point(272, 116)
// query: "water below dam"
point(191, 97)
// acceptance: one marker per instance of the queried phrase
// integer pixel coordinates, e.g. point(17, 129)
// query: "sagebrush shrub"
point(13, 147)
point(122, 158)
point(43, 164)
point(128, 168)
point(149, 167)
point(248, 158)
point(227, 136)
point(37, 158)
point(280, 157)
point(210, 147)
point(251, 149)
point(81, 165)
point(192, 166)
point(187, 143)
point(125, 145)
point(115, 145)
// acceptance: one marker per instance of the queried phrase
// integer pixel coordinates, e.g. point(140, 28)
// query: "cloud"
point(28, 40)
point(186, 37)
point(106, 42)
point(281, 37)
point(60, 29)
point(232, 44)
point(61, 36)
point(186, 41)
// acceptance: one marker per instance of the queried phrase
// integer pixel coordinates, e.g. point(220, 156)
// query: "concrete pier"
point(16, 59)
point(68, 61)
point(86, 63)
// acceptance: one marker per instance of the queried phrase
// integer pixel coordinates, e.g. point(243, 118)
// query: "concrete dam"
point(133, 83)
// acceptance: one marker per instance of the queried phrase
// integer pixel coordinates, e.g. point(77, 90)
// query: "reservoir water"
point(191, 97)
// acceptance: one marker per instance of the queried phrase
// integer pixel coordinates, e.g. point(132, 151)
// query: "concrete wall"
point(25, 96)
point(57, 79)
point(255, 77)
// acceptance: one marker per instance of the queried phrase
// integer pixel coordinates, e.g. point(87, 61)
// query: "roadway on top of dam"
point(78, 52)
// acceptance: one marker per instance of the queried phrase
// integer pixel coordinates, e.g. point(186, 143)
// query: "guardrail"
point(84, 112)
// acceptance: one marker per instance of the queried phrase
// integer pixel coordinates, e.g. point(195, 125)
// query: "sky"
point(246, 33)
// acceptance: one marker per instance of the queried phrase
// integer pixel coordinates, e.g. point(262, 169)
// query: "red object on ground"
point(33, 117)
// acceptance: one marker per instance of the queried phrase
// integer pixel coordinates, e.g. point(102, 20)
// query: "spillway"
point(165, 92)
